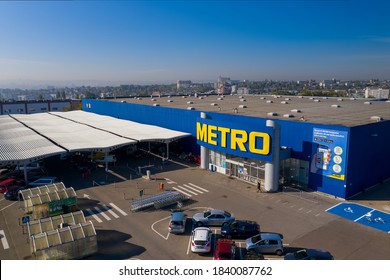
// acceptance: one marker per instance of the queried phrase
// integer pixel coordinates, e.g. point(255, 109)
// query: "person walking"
point(258, 186)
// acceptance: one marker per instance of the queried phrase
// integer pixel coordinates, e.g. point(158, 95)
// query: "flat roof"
point(26, 138)
point(323, 110)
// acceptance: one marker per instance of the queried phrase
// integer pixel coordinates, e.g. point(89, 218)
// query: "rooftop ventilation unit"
point(296, 111)
point(273, 114)
point(242, 106)
point(270, 101)
point(288, 116)
point(335, 106)
point(376, 118)
point(190, 108)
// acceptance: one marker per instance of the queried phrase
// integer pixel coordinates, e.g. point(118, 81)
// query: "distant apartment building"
point(183, 84)
point(224, 85)
point(376, 93)
point(243, 90)
point(32, 107)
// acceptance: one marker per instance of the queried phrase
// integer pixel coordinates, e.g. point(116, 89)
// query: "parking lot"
point(105, 199)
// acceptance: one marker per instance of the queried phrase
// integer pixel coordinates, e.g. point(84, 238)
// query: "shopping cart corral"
point(158, 201)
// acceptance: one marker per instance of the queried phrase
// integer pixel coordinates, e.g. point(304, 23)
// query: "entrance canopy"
point(28, 138)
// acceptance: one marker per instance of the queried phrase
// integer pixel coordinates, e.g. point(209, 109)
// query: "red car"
point(4, 185)
point(225, 249)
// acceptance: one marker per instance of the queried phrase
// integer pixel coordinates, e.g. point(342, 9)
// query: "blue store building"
point(335, 146)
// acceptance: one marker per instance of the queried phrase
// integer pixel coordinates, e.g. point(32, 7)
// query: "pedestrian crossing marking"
point(110, 211)
point(102, 213)
point(176, 189)
point(169, 181)
point(4, 240)
point(192, 188)
point(93, 215)
point(118, 209)
point(187, 190)
point(198, 187)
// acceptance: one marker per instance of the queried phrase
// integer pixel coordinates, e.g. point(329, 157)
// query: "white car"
point(201, 240)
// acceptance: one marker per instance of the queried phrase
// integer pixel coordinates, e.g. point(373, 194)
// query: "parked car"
point(240, 229)
point(177, 224)
point(201, 240)
point(309, 254)
point(13, 193)
point(4, 172)
point(264, 243)
point(6, 184)
point(225, 249)
point(43, 181)
point(213, 218)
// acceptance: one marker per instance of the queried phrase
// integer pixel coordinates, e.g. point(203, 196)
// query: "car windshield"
point(206, 214)
point(256, 238)
point(227, 214)
point(300, 254)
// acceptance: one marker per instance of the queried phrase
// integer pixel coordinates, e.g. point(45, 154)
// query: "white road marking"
point(4, 240)
point(187, 190)
point(102, 213)
point(93, 215)
point(8, 206)
point(165, 237)
point(118, 209)
point(110, 211)
point(176, 189)
point(198, 187)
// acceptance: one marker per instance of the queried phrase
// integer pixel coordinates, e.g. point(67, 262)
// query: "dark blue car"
point(240, 229)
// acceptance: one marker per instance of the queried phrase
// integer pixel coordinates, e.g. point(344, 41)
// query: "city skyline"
point(99, 42)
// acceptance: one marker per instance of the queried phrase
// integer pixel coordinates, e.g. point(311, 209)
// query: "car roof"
point(7, 181)
point(178, 216)
point(46, 178)
point(201, 233)
point(271, 235)
point(225, 245)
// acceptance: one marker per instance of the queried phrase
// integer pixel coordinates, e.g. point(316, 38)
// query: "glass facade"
point(293, 172)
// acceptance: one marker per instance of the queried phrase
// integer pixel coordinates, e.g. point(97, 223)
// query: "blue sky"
point(163, 41)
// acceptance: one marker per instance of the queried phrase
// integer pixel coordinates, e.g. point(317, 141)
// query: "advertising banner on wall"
point(329, 153)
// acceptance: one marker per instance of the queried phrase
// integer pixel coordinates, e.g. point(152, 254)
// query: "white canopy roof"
point(133, 130)
point(26, 138)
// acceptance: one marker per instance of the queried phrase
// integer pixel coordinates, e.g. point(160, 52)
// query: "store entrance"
point(252, 171)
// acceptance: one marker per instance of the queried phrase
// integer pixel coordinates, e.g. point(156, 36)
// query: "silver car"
point(266, 243)
point(177, 224)
point(213, 218)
